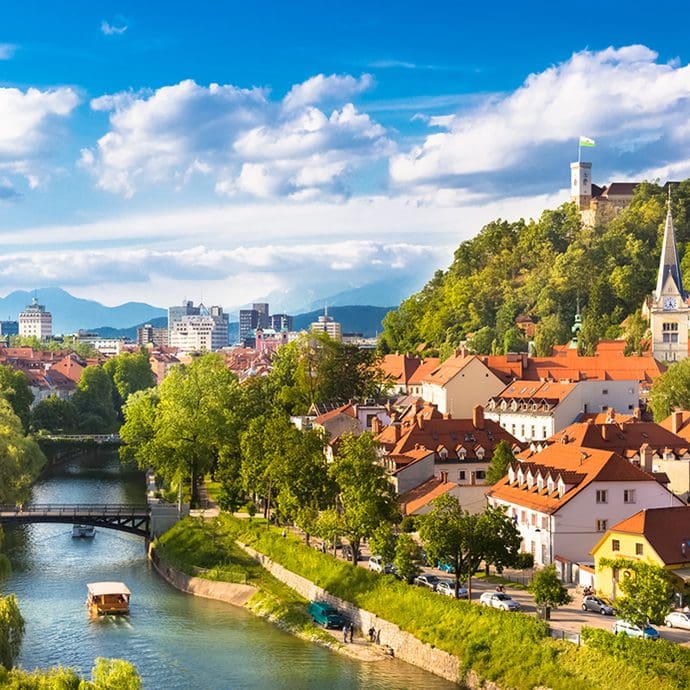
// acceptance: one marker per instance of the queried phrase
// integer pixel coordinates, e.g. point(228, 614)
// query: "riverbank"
point(510, 650)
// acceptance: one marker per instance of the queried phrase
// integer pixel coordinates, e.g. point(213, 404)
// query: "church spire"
point(668, 263)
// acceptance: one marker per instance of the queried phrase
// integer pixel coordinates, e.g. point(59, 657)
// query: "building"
point(460, 383)
point(150, 335)
point(656, 535)
point(176, 314)
point(536, 410)
point(669, 309)
point(207, 331)
point(404, 374)
point(564, 499)
point(8, 328)
point(35, 321)
point(261, 308)
point(249, 321)
point(281, 322)
point(327, 324)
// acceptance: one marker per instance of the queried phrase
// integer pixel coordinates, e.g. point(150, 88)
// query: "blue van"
point(325, 614)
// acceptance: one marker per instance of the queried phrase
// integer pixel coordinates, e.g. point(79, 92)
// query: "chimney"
point(605, 432)
point(420, 421)
point(461, 351)
point(444, 477)
point(396, 431)
point(646, 457)
point(564, 439)
point(525, 360)
point(375, 426)
point(676, 421)
point(478, 417)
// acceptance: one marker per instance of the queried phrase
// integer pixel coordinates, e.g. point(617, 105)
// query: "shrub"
point(408, 524)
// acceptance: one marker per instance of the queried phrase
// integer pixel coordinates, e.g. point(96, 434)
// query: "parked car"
point(428, 581)
point(621, 627)
point(324, 614)
point(377, 565)
point(347, 553)
point(447, 587)
point(498, 600)
point(445, 567)
point(593, 603)
point(678, 619)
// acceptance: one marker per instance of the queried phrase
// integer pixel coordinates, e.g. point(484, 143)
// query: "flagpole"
point(579, 150)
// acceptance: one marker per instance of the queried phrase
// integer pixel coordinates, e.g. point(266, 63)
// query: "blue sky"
point(232, 151)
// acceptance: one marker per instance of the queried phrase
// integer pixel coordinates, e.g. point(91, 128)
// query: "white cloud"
point(336, 87)
point(622, 97)
point(245, 142)
point(31, 131)
point(113, 29)
point(7, 51)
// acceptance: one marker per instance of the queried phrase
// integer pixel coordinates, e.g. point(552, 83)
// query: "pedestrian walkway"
point(208, 508)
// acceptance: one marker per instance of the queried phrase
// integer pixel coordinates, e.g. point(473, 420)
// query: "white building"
point(535, 410)
point(35, 321)
point(327, 324)
point(565, 498)
point(195, 333)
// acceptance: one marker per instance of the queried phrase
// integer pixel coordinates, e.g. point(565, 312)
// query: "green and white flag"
point(586, 141)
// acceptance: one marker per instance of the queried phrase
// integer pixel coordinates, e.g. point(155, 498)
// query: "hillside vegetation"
point(541, 268)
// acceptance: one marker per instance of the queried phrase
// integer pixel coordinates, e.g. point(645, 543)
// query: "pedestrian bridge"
point(135, 519)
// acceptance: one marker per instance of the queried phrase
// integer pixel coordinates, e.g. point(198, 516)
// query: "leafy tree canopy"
point(547, 588)
point(55, 415)
point(14, 387)
point(93, 401)
point(498, 467)
point(671, 390)
point(129, 372)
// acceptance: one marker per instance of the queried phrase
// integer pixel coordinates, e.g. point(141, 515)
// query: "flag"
point(586, 141)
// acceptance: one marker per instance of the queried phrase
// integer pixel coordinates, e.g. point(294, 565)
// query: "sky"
point(231, 152)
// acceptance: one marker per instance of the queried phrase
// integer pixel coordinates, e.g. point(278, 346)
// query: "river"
point(175, 640)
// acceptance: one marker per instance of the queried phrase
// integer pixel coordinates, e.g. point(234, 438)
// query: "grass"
point(513, 650)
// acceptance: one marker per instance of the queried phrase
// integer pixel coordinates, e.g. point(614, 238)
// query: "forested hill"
point(540, 268)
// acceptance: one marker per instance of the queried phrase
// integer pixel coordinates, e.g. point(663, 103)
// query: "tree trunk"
point(354, 543)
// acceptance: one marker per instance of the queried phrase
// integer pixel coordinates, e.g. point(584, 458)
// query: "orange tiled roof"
point(448, 369)
point(681, 420)
point(424, 493)
point(347, 409)
point(664, 528)
point(423, 370)
point(536, 390)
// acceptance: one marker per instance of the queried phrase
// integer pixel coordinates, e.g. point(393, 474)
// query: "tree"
point(14, 386)
point(11, 630)
point(114, 674)
point(365, 497)
point(500, 460)
point(547, 588)
point(93, 400)
point(463, 540)
point(671, 390)
point(481, 342)
point(129, 373)
point(407, 557)
point(646, 590)
point(54, 415)
point(383, 542)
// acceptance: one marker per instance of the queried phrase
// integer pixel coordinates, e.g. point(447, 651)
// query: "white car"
point(447, 587)
point(377, 565)
point(678, 619)
point(498, 600)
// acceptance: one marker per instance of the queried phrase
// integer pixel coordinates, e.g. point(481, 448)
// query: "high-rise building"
point(35, 321)
point(9, 328)
point(148, 335)
point(249, 321)
point(326, 324)
point(177, 313)
point(280, 322)
point(262, 309)
point(207, 330)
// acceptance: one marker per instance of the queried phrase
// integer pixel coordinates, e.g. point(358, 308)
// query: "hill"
point(543, 268)
point(73, 313)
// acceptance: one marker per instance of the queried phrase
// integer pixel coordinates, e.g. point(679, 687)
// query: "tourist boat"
point(83, 531)
point(105, 598)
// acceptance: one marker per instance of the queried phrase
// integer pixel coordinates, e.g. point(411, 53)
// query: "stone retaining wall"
point(229, 592)
point(404, 645)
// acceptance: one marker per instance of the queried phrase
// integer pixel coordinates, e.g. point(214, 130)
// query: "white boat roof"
point(99, 588)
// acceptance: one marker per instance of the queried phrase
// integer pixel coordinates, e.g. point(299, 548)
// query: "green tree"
point(93, 401)
point(646, 590)
point(551, 330)
point(547, 588)
point(671, 390)
point(407, 557)
point(14, 387)
point(365, 497)
point(11, 630)
point(501, 539)
point(481, 342)
point(114, 674)
point(129, 373)
point(54, 415)
point(383, 542)
point(500, 460)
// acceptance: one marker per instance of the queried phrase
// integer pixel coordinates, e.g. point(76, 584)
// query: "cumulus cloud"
point(31, 128)
point(113, 29)
point(240, 138)
point(623, 97)
point(7, 51)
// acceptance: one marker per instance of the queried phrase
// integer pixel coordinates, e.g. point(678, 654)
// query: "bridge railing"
point(76, 509)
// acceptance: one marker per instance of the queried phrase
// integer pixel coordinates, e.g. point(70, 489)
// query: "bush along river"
point(176, 641)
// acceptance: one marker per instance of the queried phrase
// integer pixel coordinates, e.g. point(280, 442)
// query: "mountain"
point(354, 319)
point(131, 332)
point(72, 313)
point(377, 294)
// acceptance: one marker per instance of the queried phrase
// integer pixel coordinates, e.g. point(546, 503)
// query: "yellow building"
point(656, 535)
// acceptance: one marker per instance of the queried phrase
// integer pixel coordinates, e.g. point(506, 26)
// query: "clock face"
point(670, 302)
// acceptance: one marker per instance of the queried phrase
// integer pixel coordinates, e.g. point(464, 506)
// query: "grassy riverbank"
point(512, 650)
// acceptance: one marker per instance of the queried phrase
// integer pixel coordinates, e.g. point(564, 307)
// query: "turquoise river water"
point(175, 640)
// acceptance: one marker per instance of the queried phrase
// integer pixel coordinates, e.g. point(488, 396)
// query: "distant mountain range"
point(73, 313)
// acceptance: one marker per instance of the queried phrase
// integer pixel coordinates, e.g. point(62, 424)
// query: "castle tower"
point(581, 184)
point(670, 313)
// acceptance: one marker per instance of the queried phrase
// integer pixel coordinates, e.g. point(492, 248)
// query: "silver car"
point(448, 588)
point(594, 603)
point(498, 600)
point(678, 619)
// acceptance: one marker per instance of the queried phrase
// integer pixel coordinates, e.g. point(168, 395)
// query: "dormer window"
point(514, 405)
point(535, 406)
point(530, 479)
point(550, 486)
point(521, 476)
point(511, 475)
point(462, 453)
point(480, 453)
point(504, 405)
point(443, 453)
point(492, 404)
point(561, 488)
point(540, 482)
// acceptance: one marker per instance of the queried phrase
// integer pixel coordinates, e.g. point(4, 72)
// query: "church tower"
point(670, 313)
point(581, 184)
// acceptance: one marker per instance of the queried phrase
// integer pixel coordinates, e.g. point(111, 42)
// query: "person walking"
point(372, 634)
point(352, 631)
point(345, 631)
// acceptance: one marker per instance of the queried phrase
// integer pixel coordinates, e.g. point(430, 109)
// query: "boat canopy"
point(97, 589)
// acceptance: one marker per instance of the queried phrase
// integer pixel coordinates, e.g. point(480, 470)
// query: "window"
point(522, 430)
point(602, 525)
point(532, 431)
point(543, 554)
point(602, 496)
point(669, 332)
point(605, 391)
point(543, 432)
point(629, 496)
point(544, 522)
point(523, 517)
point(512, 429)
point(461, 475)
point(481, 474)
point(534, 519)
point(639, 549)
point(615, 545)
